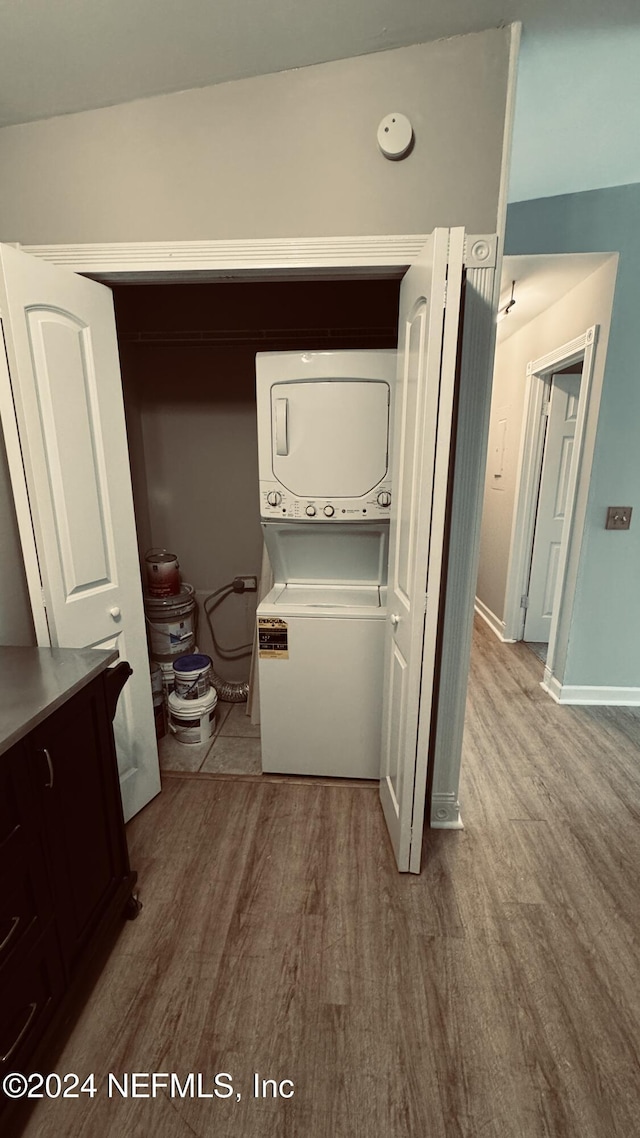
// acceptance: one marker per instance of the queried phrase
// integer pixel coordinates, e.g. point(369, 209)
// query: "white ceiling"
point(60, 56)
point(539, 282)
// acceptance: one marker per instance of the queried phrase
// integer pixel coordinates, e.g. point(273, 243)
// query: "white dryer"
point(324, 434)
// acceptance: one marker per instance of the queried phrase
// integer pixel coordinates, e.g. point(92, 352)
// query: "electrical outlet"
point(245, 584)
point(618, 517)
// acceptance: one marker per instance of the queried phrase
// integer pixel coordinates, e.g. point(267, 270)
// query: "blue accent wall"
point(604, 641)
point(577, 115)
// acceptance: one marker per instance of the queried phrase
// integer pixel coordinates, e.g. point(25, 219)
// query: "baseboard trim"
point(490, 618)
point(590, 695)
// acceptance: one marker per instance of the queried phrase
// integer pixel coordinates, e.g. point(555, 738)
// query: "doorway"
point(558, 422)
point(441, 258)
point(187, 355)
point(547, 489)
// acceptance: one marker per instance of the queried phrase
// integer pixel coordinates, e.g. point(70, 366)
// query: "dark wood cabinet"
point(72, 764)
point(65, 880)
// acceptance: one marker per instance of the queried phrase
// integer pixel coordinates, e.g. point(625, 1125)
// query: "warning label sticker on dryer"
point(273, 639)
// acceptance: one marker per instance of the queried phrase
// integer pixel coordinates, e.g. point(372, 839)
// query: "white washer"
point(321, 649)
point(321, 666)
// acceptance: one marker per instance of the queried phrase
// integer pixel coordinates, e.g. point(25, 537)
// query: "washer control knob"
point(384, 498)
point(329, 511)
point(310, 511)
point(274, 497)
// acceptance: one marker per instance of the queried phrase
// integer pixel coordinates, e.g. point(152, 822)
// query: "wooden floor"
point(496, 995)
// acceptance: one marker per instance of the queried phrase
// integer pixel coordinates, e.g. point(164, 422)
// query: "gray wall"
point(292, 154)
point(285, 155)
point(587, 304)
point(604, 639)
point(195, 481)
point(16, 625)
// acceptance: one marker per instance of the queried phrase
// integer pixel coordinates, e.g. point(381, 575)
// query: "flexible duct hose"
point(229, 691)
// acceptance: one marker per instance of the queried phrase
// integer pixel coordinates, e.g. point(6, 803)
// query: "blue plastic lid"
point(193, 662)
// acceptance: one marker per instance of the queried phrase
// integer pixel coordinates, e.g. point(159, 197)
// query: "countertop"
point(36, 681)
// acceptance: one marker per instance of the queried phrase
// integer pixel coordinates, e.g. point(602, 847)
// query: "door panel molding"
point(379, 255)
point(258, 259)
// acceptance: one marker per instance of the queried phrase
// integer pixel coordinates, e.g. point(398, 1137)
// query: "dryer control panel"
point(276, 502)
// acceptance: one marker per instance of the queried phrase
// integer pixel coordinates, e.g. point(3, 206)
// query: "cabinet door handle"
point(15, 921)
point(32, 1011)
point(49, 784)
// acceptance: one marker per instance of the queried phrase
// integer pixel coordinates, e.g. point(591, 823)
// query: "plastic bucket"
point(171, 624)
point(168, 678)
point(163, 573)
point(192, 676)
point(193, 720)
point(157, 693)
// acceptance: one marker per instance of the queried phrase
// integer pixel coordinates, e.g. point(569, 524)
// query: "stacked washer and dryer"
point(324, 439)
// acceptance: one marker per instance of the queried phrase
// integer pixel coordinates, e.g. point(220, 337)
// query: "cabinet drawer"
point(25, 900)
point(30, 988)
point(16, 808)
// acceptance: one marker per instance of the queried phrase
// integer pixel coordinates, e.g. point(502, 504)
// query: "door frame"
point(539, 373)
point(386, 256)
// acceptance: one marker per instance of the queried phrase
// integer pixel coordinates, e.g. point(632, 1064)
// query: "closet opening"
point(187, 356)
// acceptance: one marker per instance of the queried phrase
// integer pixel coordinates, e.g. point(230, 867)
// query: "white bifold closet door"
point(430, 299)
point(63, 419)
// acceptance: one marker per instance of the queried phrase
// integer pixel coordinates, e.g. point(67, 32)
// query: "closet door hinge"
point(524, 601)
point(44, 599)
point(545, 407)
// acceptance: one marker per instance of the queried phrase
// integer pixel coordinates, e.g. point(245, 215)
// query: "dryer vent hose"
point(228, 690)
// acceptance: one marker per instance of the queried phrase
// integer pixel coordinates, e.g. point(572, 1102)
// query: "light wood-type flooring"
point(496, 995)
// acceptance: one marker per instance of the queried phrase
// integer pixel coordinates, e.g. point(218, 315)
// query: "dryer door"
point(330, 439)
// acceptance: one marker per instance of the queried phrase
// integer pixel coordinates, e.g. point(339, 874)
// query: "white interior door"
point(552, 506)
point(63, 416)
point(424, 400)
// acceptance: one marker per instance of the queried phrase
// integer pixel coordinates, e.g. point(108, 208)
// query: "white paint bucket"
point(193, 720)
point(171, 624)
point(192, 675)
point(163, 573)
point(157, 694)
point(168, 678)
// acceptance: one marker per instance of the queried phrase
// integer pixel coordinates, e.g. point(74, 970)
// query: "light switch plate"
point(618, 517)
